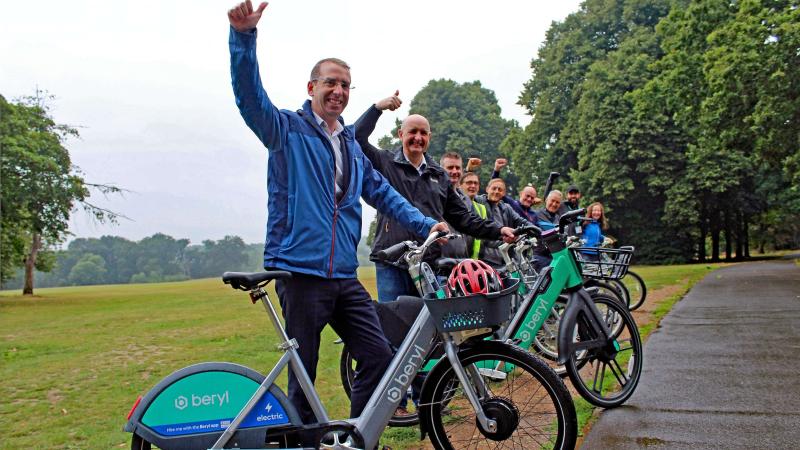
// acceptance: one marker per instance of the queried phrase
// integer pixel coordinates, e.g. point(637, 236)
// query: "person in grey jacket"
point(418, 178)
point(500, 213)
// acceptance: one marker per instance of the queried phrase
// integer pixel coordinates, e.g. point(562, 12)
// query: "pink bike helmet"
point(470, 277)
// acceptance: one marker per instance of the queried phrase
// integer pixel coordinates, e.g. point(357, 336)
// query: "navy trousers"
point(309, 303)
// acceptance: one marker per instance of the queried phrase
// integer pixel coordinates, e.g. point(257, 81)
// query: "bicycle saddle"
point(247, 281)
point(445, 265)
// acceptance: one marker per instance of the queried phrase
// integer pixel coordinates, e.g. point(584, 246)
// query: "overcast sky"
point(148, 85)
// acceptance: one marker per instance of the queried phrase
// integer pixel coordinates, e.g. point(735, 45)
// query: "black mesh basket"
point(603, 263)
point(473, 312)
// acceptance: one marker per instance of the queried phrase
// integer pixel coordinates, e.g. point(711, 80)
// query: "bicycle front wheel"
point(530, 404)
point(606, 374)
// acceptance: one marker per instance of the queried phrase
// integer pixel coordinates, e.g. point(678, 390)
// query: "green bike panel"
point(565, 274)
point(208, 401)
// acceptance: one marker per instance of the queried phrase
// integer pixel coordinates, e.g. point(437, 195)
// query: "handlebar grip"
point(528, 230)
point(393, 253)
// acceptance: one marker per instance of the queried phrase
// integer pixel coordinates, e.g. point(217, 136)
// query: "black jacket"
point(431, 192)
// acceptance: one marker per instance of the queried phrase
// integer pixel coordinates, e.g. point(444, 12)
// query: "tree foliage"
point(40, 186)
point(116, 260)
point(676, 114)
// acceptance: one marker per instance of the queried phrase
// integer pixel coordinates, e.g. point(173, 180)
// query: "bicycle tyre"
point(138, 443)
point(622, 366)
point(636, 288)
point(531, 405)
point(347, 374)
point(613, 288)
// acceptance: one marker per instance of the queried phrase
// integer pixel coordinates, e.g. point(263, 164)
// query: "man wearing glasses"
point(316, 176)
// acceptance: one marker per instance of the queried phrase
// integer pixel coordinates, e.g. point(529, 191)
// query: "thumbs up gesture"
point(243, 17)
point(391, 103)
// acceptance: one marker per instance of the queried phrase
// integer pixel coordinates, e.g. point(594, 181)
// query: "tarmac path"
point(722, 371)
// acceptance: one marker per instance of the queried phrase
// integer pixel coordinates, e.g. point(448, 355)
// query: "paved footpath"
point(722, 371)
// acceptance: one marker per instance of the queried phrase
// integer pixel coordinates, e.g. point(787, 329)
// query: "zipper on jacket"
point(333, 239)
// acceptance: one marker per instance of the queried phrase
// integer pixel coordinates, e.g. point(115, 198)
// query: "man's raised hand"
point(391, 103)
point(242, 16)
point(499, 163)
point(473, 164)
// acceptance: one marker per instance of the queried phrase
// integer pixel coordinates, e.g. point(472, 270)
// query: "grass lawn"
point(75, 359)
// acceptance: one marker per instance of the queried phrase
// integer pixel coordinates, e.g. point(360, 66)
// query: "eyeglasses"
point(333, 82)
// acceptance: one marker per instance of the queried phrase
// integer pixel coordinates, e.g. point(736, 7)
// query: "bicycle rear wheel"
point(138, 443)
point(531, 405)
point(637, 289)
point(606, 375)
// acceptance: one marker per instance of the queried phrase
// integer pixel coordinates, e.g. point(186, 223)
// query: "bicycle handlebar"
point(392, 253)
point(529, 230)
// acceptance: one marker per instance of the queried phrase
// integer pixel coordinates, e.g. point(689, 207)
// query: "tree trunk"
point(701, 247)
point(746, 236)
point(30, 264)
point(739, 236)
point(728, 237)
point(715, 236)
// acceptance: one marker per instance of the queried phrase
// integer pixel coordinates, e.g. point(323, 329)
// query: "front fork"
point(580, 301)
point(470, 382)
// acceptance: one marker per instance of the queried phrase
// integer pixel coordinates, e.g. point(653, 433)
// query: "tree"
point(160, 258)
point(91, 269)
point(40, 186)
point(215, 257)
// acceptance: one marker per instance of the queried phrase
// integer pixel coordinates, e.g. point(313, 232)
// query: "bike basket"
point(603, 263)
point(474, 311)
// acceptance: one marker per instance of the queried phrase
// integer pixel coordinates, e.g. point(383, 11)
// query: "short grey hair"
point(315, 71)
point(554, 193)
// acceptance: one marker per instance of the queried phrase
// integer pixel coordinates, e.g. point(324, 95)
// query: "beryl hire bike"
point(225, 405)
point(597, 339)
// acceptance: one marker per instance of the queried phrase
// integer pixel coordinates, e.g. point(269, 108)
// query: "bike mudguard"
point(191, 408)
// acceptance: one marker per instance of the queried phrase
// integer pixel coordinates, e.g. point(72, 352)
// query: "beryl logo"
point(219, 400)
point(181, 403)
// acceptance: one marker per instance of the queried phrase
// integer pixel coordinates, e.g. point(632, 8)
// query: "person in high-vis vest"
point(470, 184)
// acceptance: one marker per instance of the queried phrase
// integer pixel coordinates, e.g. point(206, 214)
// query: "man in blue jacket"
point(316, 176)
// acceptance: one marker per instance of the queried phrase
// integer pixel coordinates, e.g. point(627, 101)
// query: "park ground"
point(75, 359)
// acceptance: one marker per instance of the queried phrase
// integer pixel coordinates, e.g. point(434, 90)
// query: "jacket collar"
point(308, 114)
point(430, 165)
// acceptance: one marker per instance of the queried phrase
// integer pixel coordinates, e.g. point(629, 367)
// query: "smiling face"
point(496, 190)
point(415, 134)
point(470, 185)
point(453, 168)
point(573, 197)
point(527, 197)
point(328, 97)
point(553, 202)
point(596, 212)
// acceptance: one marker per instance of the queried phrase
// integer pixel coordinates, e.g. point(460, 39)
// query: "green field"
point(75, 359)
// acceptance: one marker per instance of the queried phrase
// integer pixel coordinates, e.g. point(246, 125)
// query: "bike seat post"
point(262, 295)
